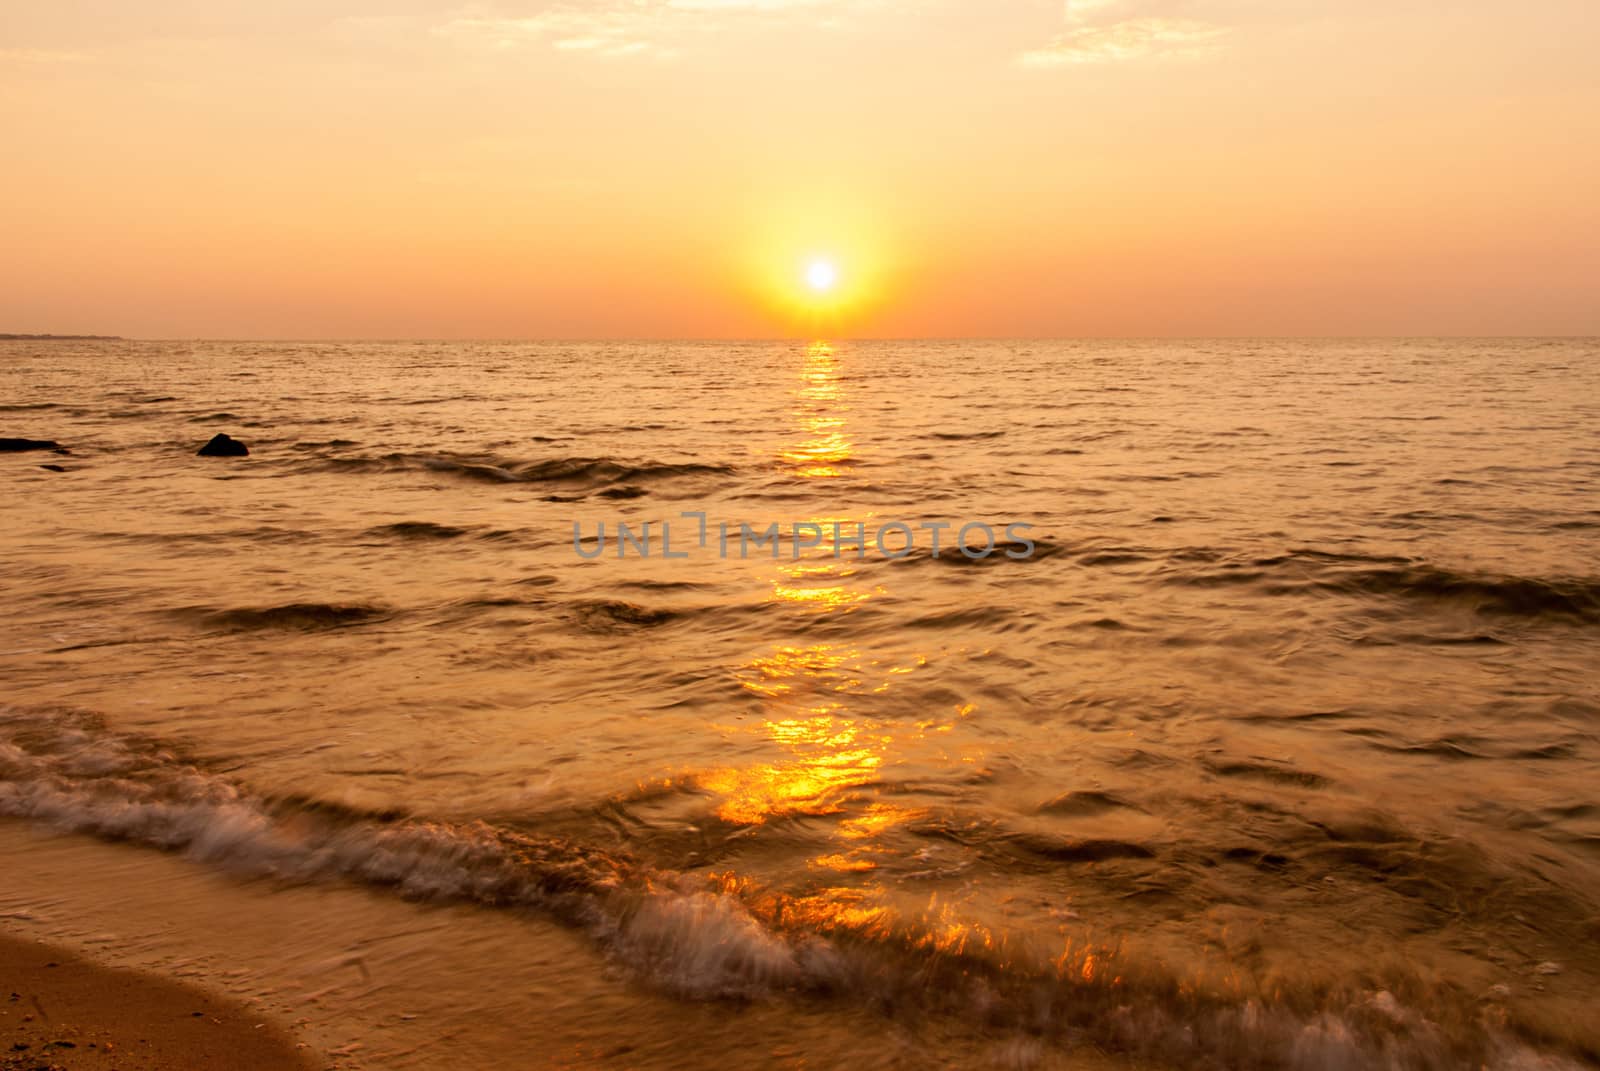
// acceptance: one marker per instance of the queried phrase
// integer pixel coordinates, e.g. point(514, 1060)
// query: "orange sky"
point(668, 168)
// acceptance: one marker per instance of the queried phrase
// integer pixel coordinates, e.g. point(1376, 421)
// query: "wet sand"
point(373, 982)
point(58, 1010)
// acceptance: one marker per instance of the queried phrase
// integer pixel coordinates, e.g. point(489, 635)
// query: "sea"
point(555, 704)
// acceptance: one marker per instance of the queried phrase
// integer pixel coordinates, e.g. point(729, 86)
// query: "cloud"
point(631, 30)
point(1080, 10)
point(1117, 31)
point(629, 27)
point(768, 6)
point(1128, 40)
point(41, 56)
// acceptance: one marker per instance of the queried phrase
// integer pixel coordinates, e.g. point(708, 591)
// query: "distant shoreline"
point(60, 338)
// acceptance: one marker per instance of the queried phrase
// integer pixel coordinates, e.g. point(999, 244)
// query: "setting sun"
point(821, 275)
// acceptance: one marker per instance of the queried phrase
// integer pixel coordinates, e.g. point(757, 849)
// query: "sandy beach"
point(61, 1011)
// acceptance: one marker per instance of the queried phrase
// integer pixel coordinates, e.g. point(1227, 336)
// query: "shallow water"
point(1279, 750)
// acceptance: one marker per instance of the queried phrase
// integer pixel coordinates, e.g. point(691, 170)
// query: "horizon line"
point(547, 339)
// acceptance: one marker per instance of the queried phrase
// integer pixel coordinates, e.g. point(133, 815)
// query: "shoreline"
point(59, 1010)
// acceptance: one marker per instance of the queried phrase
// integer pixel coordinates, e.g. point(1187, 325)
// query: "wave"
point(958, 436)
point(1569, 599)
point(1085, 802)
point(261, 534)
point(590, 472)
point(1005, 551)
point(418, 530)
point(298, 616)
point(624, 491)
point(717, 937)
point(1516, 596)
point(615, 615)
point(1261, 771)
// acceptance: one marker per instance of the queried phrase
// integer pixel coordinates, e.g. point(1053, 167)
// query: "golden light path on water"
point(809, 700)
point(820, 413)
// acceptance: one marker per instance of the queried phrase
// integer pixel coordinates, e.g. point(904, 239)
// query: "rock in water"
point(224, 446)
point(11, 446)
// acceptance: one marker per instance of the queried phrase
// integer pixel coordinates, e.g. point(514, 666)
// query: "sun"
point(815, 278)
point(821, 275)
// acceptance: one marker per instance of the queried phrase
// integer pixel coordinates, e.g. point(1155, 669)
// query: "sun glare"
point(817, 274)
point(821, 275)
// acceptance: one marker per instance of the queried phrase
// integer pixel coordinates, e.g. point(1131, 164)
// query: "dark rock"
point(224, 446)
point(54, 468)
point(13, 446)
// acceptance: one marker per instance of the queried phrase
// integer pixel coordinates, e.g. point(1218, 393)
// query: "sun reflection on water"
point(819, 586)
point(831, 754)
point(826, 708)
point(820, 414)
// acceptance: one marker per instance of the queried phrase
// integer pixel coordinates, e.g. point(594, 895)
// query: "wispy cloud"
point(41, 56)
point(769, 6)
point(630, 27)
point(1115, 31)
point(623, 31)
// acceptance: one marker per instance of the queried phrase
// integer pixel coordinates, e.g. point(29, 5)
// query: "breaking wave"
point(714, 937)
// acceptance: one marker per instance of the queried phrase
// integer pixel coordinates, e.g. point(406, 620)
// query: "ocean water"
point(1280, 749)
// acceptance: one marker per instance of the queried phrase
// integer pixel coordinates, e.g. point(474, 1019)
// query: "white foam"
point(697, 942)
